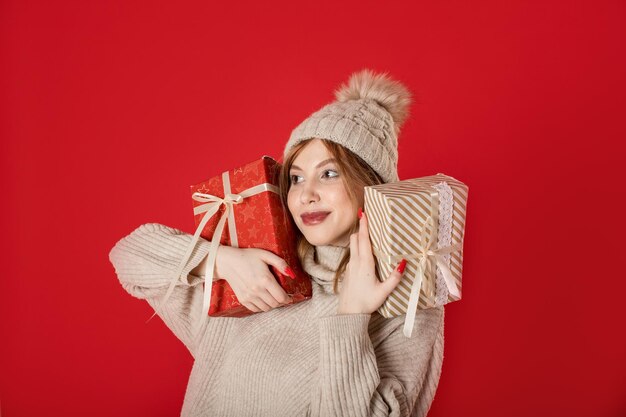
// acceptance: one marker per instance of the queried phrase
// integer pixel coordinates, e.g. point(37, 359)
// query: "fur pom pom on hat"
point(365, 118)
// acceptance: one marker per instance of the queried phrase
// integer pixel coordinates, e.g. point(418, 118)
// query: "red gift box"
point(255, 219)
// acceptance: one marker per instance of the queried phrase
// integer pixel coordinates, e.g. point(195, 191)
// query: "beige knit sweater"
point(297, 360)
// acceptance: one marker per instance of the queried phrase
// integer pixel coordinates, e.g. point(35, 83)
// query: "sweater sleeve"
point(387, 374)
point(145, 262)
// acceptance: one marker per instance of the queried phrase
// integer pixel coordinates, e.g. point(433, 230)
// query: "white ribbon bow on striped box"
point(423, 221)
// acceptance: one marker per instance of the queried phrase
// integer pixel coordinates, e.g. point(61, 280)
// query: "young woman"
point(332, 355)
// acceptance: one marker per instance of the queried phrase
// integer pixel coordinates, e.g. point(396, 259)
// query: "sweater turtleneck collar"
point(321, 262)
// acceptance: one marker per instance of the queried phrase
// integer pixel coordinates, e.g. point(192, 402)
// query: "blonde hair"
point(355, 173)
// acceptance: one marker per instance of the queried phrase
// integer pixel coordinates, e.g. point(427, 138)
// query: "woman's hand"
point(247, 272)
point(361, 290)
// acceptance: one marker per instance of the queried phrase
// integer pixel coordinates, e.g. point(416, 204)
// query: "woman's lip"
point(314, 217)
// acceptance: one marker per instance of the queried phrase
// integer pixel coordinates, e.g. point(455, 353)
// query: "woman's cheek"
point(291, 213)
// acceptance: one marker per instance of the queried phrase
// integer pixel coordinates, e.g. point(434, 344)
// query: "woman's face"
point(317, 197)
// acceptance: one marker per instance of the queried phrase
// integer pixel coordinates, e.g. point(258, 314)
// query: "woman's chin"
point(317, 240)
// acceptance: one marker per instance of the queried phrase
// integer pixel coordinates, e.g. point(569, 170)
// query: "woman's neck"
point(322, 262)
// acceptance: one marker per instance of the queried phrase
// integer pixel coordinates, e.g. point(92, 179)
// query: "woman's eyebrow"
point(324, 162)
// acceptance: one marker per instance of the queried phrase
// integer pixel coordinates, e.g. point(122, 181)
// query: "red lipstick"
point(314, 217)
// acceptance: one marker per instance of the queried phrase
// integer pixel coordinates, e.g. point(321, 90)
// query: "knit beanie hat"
point(365, 118)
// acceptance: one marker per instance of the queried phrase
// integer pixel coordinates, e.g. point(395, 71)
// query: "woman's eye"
point(331, 173)
point(295, 179)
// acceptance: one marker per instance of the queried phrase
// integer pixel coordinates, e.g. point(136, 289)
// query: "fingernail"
point(290, 272)
point(401, 266)
point(360, 213)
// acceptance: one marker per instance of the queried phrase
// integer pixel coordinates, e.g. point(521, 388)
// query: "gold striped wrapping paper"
point(398, 226)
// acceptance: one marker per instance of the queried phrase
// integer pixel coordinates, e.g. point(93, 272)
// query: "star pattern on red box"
point(203, 189)
point(248, 212)
point(253, 231)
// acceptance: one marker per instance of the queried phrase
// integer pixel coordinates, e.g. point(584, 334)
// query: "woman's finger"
point(278, 293)
point(260, 304)
point(365, 246)
point(251, 307)
point(275, 261)
point(354, 246)
point(269, 299)
point(266, 282)
point(393, 279)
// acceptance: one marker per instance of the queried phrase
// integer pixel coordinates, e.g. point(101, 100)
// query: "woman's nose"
point(309, 194)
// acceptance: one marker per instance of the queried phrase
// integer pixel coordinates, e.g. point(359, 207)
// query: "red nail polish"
point(290, 272)
point(401, 266)
point(360, 213)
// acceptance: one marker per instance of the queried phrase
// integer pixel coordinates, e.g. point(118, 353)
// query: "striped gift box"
point(423, 221)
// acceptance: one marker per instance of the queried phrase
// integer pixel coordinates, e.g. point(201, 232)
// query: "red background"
point(110, 110)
